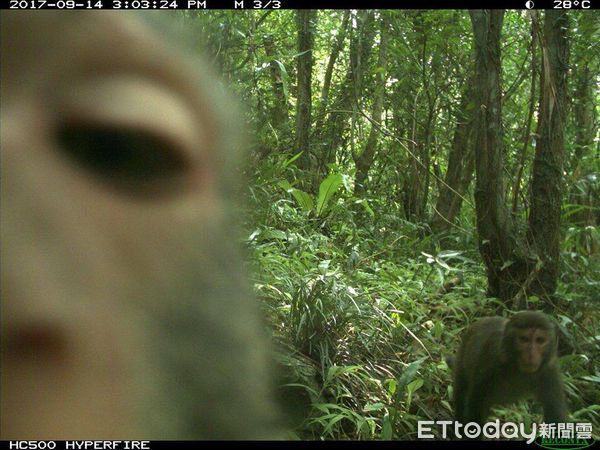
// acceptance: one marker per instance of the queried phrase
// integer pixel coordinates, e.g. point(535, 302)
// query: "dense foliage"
point(361, 217)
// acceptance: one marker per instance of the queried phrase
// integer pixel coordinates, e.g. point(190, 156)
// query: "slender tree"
point(323, 152)
point(279, 110)
point(584, 199)
point(505, 262)
point(305, 20)
point(546, 184)
point(461, 164)
point(364, 160)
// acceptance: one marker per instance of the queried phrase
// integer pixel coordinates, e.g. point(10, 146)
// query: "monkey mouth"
point(529, 368)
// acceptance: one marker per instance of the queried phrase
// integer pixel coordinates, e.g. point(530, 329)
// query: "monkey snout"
point(37, 340)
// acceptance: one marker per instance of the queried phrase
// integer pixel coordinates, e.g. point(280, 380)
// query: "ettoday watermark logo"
point(550, 436)
point(565, 435)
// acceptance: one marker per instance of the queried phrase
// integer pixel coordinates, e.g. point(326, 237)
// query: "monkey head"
point(529, 341)
point(125, 309)
point(501, 361)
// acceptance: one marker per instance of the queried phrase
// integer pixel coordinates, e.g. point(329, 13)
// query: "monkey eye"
point(523, 339)
point(540, 340)
point(134, 161)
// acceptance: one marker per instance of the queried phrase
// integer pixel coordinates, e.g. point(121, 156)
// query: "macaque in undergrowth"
point(503, 360)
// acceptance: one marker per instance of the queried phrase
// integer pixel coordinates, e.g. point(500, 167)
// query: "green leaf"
point(412, 387)
point(409, 373)
point(303, 199)
point(373, 407)
point(393, 384)
point(438, 329)
point(324, 266)
point(284, 78)
point(254, 235)
point(285, 185)
point(365, 205)
point(446, 254)
point(292, 159)
point(442, 263)
point(276, 234)
point(386, 428)
point(592, 378)
point(327, 189)
point(334, 419)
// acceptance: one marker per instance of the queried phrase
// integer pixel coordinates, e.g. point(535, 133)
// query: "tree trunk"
point(506, 269)
point(361, 43)
point(544, 218)
point(325, 154)
point(416, 183)
point(279, 110)
point(333, 56)
point(461, 164)
point(305, 20)
point(582, 198)
point(364, 160)
point(527, 132)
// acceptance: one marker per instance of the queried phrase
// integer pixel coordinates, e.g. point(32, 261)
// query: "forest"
point(408, 172)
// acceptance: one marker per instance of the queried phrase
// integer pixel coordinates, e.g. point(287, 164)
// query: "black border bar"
point(300, 4)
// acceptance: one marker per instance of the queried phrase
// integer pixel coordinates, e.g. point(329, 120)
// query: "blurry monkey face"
point(124, 309)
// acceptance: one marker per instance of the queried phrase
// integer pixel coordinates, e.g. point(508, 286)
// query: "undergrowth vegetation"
point(413, 171)
point(365, 306)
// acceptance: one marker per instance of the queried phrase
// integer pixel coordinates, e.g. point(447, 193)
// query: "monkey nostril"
point(40, 340)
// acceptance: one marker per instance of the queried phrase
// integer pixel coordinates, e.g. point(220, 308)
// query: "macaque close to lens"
point(503, 360)
point(125, 312)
